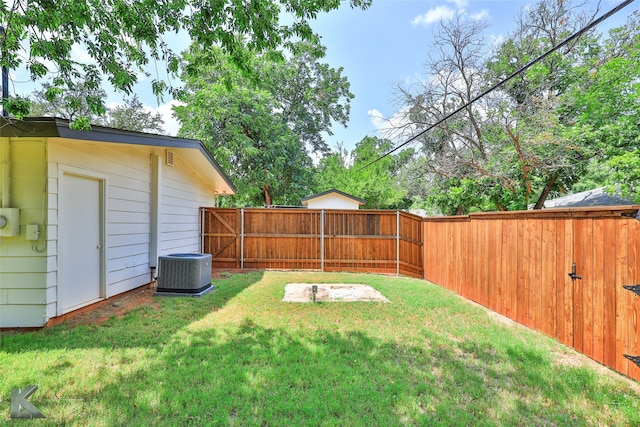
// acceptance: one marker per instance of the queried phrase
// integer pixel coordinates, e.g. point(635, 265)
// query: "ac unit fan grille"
point(184, 273)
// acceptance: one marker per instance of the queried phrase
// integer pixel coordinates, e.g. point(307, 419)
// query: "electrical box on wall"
point(9, 222)
point(33, 232)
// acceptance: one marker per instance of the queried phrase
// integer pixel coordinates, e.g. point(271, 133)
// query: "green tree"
point(264, 126)
point(604, 113)
point(460, 150)
point(378, 183)
point(511, 147)
point(540, 147)
point(312, 95)
point(133, 115)
point(123, 37)
point(538, 29)
point(72, 105)
point(66, 103)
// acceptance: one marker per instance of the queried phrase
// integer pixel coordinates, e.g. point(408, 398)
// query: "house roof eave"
point(57, 127)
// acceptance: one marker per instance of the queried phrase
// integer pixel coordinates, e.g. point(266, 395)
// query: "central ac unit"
point(184, 273)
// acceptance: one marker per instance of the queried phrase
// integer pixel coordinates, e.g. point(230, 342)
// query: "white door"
point(80, 233)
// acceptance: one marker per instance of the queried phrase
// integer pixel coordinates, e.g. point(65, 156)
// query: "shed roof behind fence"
point(305, 200)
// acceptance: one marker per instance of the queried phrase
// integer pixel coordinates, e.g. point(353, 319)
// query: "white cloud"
point(377, 118)
point(78, 53)
point(435, 14)
point(443, 13)
point(171, 125)
point(412, 79)
point(483, 14)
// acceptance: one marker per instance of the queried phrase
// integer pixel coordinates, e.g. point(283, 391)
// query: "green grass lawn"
point(240, 356)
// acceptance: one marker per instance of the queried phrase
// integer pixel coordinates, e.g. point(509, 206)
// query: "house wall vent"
point(184, 273)
point(169, 158)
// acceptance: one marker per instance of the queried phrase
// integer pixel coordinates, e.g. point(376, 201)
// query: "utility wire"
point(506, 79)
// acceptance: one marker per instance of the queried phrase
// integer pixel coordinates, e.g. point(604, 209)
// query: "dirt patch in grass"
point(574, 359)
point(119, 305)
point(302, 292)
point(116, 306)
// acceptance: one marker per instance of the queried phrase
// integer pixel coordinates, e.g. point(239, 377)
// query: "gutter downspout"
point(155, 220)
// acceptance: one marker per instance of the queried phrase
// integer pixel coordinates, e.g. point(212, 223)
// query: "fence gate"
point(220, 232)
point(603, 271)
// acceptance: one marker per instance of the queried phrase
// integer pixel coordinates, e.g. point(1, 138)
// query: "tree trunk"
point(545, 192)
point(267, 196)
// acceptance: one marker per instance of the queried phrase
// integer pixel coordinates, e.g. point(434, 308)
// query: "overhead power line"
point(569, 39)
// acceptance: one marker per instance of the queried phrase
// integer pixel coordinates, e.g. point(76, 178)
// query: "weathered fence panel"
point(520, 264)
point(327, 240)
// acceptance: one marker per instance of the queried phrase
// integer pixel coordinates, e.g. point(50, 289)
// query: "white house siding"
point(127, 172)
point(128, 216)
point(27, 268)
point(183, 193)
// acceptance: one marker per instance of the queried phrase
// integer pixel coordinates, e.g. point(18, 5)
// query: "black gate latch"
point(573, 274)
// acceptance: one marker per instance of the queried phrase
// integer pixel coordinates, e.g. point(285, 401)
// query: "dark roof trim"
point(49, 127)
point(333, 190)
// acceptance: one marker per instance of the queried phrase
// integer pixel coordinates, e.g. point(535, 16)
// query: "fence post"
point(242, 238)
point(397, 243)
point(322, 240)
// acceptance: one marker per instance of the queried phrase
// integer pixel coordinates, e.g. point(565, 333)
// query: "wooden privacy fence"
point(561, 272)
point(326, 240)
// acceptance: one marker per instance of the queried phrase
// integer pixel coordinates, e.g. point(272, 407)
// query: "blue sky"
point(389, 43)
